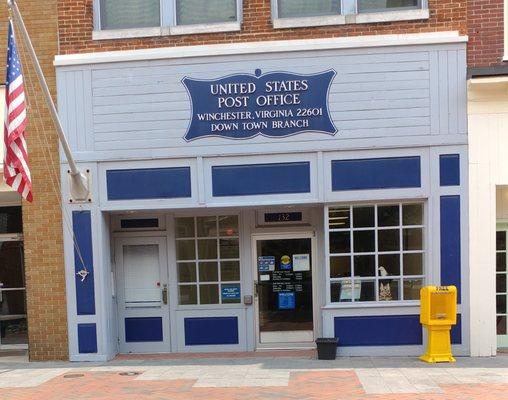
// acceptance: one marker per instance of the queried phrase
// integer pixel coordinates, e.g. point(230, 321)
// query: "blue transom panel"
point(276, 104)
point(376, 173)
point(259, 179)
point(149, 183)
point(449, 169)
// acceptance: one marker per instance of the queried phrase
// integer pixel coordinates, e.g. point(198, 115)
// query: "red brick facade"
point(76, 25)
point(486, 32)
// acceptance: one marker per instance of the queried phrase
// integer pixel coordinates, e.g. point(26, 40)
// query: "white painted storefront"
point(220, 244)
point(488, 155)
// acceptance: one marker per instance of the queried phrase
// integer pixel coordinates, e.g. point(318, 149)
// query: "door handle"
point(256, 288)
point(165, 294)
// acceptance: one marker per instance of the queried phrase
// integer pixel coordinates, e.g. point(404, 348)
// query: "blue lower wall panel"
point(376, 173)
point(143, 329)
point(386, 330)
point(211, 331)
point(149, 183)
point(87, 338)
point(449, 170)
point(450, 242)
point(259, 179)
point(83, 259)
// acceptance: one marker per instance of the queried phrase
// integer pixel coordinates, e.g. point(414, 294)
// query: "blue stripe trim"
point(85, 292)
point(450, 242)
point(143, 329)
point(211, 331)
point(449, 170)
point(87, 338)
point(149, 183)
point(386, 330)
point(259, 179)
point(376, 173)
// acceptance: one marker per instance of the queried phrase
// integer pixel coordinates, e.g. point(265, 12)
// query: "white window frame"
point(167, 26)
point(218, 260)
point(425, 273)
point(349, 15)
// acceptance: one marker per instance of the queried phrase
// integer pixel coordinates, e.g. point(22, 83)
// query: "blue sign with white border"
point(230, 292)
point(266, 263)
point(275, 104)
point(287, 301)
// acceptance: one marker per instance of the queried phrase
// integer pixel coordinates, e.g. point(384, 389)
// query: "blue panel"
point(449, 170)
point(247, 180)
point(143, 329)
point(211, 331)
point(386, 330)
point(456, 333)
point(450, 242)
point(149, 183)
point(376, 173)
point(85, 294)
point(87, 338)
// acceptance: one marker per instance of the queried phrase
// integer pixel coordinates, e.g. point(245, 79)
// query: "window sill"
point(361, 18)
point(388, 304)
point(390, 16)
point(166, 31)
point(205, 28)
point(282, 23)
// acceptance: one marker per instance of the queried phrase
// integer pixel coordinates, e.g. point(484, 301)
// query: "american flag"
point(16, 170)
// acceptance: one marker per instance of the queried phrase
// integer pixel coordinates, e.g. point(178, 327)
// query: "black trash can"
point(327, 348)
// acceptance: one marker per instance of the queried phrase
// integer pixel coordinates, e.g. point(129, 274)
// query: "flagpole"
point(79, 186)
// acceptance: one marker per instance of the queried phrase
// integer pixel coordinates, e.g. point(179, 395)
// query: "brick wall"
point(76, 24)
point(486, 32)
point(42, 220)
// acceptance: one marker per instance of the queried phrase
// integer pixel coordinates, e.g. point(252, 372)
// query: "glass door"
point(501, 287)
point(13, 322)
point(284, 300)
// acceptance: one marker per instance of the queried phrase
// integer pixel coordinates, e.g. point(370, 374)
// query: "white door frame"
point(310, 234)
point(142, 347)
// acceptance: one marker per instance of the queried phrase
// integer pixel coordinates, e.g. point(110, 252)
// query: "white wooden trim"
point(108, 34)
point(261, 47)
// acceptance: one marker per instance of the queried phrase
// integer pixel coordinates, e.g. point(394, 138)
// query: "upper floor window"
point(156, 17)
point(387, 5)
point(122, 14)
point(190, 12)
point(305, 8)
point(301, 13)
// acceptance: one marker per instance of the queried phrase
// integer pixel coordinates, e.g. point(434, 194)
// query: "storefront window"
point(376, 252)
point(208, 260)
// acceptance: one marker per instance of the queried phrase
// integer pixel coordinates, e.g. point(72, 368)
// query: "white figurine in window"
point(385, 293)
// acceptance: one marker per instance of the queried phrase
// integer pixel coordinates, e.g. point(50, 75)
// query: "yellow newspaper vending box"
point(438, 314)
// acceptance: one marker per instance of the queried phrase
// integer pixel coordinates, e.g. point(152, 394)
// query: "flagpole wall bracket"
point(79, 187)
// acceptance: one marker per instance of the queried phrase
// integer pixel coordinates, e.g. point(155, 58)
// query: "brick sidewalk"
point(271, 378)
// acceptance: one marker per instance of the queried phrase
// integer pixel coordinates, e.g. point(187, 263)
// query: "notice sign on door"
point(230, 292)
point(287, 301)
point(301, 262)
point(266, 263)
